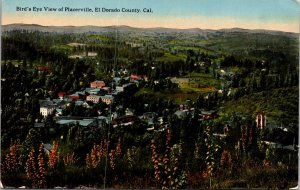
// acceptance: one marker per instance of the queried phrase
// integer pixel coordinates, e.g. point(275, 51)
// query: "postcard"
point(134, 94)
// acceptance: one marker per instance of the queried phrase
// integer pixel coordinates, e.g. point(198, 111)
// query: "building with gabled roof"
point(108, 99)
point(62, 95)
point(97, 84)
point(93, 98)
point(46, 107)
point(78, 95)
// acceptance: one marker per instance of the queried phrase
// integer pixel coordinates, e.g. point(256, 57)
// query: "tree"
point(262, 81)
point(32, 140)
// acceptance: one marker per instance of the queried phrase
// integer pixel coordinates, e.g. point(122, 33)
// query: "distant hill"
point(125, 29)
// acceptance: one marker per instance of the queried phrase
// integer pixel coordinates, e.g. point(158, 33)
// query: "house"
point(46, 107)
point(82, 103)
point(93, 98)
point(124, 87)
point(58, 112)
point(120, 88)
point(46, 110)
point(97, 84)
point(62, 95)
point(115, 93)
point(95, 91)
point(135, 77)
point(106, 88)
point(149, 117)
point(103, 119)
point(129, 111)
point(261, 120)
point(82, 121)
point(117, 80)
point(78, 95)
point(124, 121)
point(108, 99)
point(208, 115)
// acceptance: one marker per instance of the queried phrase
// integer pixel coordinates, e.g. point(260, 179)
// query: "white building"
point(47, 110)
point(120, 88)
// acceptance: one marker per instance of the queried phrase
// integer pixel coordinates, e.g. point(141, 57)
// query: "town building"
point(124, 121)
point(62, 95)
point(78, 95)
point(97, 84)
point(85, 122)
point(208, 115)
point(46, 108)
point(93, 98)
point(108, 99)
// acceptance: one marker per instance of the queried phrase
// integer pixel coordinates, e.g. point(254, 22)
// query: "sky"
point(282, 15)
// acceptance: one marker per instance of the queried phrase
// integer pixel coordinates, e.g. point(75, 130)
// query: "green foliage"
point(169, 58)
point(279, 104)
point(61, 48)
point(98, 37)
point(32, 140)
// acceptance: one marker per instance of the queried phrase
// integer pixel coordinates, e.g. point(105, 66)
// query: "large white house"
point(47, 108)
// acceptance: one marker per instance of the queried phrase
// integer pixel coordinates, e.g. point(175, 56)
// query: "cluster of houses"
point(97, 92)
point(100, 92)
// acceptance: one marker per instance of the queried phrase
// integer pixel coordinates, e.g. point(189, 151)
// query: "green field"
point(61, 48)
point(201, 82)
point(168, 57)
point(98, 37)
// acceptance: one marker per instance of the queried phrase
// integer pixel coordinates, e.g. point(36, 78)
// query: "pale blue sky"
point(264, 14)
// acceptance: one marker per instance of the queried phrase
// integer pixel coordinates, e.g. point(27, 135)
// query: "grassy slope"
point(279, 104)
point(62, 48)
point(172, 58)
